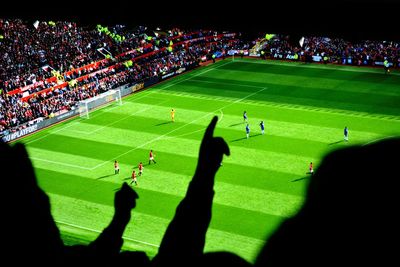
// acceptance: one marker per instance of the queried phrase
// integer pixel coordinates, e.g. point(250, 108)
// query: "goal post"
point(83, 109)
point(106, 98)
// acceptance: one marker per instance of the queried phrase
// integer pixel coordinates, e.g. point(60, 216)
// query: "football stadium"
point(90, 102)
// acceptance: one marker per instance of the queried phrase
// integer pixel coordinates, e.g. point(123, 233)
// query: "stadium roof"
point(355, 19)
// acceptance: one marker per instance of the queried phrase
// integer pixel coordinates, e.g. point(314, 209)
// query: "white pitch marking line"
point(77, 131)
point(143, 96)
point(95, 167)
point(135, 113)
point(233, 84)
point(329, 67)
point(185, 134)
point(285, 106)
point(96, 231)
point(62, 128)
point(156, 90)
point(86, 168)
point(61, 163)
point(124, 118)
point(198, 74)
point(162, 136)
point(53, 132)
point(378, 139)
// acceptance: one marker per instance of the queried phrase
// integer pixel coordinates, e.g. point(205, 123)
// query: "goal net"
point(109, 97)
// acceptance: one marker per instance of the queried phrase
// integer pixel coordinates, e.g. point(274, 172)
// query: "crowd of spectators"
point(31, 55)
point(334, 50)
point(88, 62)
point(25, 49)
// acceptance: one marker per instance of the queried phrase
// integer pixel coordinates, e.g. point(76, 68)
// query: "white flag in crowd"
point(36, 24)
point(301, 42)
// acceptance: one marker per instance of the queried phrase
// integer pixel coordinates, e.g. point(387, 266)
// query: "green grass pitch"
point(304, 107)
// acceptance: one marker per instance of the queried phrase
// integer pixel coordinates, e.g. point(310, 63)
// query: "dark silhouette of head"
point(349, 212)
point(29, 231)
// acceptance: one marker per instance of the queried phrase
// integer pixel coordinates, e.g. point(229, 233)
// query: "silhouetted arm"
point(110, 241)
point(26, 211)
point(184, 239)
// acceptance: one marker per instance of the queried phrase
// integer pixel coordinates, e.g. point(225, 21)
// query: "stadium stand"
point(49, 67)
point(336, 50)
point(60, 63)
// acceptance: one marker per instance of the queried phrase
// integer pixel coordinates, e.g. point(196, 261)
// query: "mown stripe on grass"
point(108, 152)
point(297, 125)
point(334, 74)
point(254, 177)
point(344, 68)
point(334, 111)
point(285, 137)
point(240, 79)
point(261, 148)
point(141, 227)
point(317, 83)
point(257, 198)
point(310, 135)
point(242, 222)
point(308, 97)
point(46, 157)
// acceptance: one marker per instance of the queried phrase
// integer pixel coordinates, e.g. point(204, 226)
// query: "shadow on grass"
point(302, 178)
point(236, 124)
point(337, 142)
point(239, 139)
point(125, 179)
point(105, 176)
point(163, 123)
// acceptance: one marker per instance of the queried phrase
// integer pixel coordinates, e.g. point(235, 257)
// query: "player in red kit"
point(140, 169)
point(134, 180)
point(151, 157)
point(311, 168)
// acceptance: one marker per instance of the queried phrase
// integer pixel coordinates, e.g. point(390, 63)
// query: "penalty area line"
point(166, 134)
point(200, 130)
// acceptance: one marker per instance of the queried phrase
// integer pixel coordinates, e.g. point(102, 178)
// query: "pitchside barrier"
point(39, 125)
point(341, 60)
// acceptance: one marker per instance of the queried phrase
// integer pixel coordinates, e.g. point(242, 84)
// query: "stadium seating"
point(31, 90)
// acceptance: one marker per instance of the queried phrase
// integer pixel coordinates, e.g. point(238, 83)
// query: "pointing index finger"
point(210, 129)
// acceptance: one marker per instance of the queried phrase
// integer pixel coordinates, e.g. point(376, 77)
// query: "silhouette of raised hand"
point(184, 240)
point(212, 150)
point(110, 241)
point(125, 200)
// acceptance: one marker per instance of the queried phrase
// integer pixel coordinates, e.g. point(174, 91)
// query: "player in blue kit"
point(346, 134)
point(262, 127)
point(245, 116)
point(247, 131)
